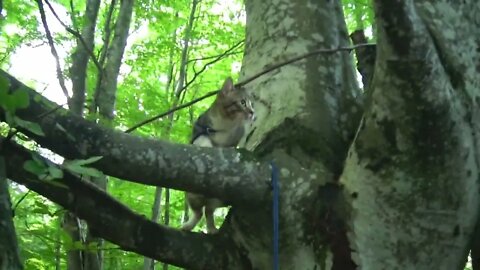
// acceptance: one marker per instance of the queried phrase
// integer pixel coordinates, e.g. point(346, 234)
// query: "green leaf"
point(34, 167)
point(37, 98)
point(11, 102)
point(55, 172)
point(30, 126)
point(87, 171)
point(41, 208)
point(89, 160)
point(39, 160)
point(4, 83)
point(20, 98)
point(9, 117)
point(75, 166)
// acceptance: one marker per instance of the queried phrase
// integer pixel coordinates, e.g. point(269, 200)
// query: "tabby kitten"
point(221, 125)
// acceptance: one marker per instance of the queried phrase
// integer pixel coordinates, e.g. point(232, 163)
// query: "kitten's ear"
point(227, 85)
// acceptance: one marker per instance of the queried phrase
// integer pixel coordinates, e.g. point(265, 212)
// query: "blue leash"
point(276, 191)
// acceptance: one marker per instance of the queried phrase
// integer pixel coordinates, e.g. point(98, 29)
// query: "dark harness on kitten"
point(200, 130)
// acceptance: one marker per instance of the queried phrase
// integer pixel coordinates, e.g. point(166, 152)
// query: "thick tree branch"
point(134, 233)
point(227, 174)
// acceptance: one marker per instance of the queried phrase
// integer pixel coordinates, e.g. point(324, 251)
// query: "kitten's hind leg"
point(211, 229)
point(193, 220)
point(210, 207)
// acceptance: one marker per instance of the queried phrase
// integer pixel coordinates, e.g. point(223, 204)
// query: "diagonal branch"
point(52, 49)
point(215, 59)
point(135, 233)
point(227, 174)
point(77, 35)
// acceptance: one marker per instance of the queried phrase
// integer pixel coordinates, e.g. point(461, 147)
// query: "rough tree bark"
point(412, 172)
point(78, 70)
point(78, 75)
point(311, 114)
point(408, 181)
point(106, 94)
point(9, 257)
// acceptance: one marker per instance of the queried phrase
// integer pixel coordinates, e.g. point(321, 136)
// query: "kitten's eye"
point(243, 102)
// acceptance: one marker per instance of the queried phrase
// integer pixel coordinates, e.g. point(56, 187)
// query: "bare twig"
point(227, 52)
point(217, 58)
point(176, 108)
point(214, 56)
point(19, 201)
point(298, 58)
point(52, 49)
point(73, 12)
point(76, 34)
point(248, 80)
point(40, 116)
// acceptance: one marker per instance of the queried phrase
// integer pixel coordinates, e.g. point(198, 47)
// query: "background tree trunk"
point(9, 257)
point(105, 102)
point(78, 75)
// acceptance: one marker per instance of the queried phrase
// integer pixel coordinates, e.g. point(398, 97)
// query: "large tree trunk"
point(9, 257)
point(308, 111)
point(412, 172)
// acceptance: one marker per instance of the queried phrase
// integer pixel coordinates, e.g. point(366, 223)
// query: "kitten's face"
point(235, 102)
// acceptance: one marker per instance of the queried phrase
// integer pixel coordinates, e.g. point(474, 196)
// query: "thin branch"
point(214, 56)
point(52, 49)
point(76, 34)
point(246, 81)
point(73, 12)
point(218, 55)
point(298, 58)
point(176, 108)
point(217, 58)
point(19, 201)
